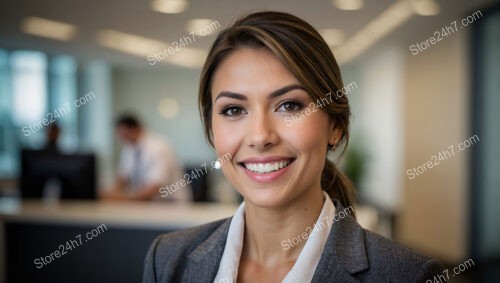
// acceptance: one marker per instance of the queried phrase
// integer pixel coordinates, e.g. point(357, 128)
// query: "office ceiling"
point(136, 17)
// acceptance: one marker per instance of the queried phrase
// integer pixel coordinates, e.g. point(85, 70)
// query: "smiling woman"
point(260, 72)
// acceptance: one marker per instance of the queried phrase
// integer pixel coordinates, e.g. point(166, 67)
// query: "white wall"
point(96, 130)
point(377, 123)
point(435, 205)
point(408, 108)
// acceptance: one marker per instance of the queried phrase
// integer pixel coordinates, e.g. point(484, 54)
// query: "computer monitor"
point(199, 186)
point(74, 174)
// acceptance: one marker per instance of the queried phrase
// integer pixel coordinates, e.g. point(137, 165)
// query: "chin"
point(266, 197)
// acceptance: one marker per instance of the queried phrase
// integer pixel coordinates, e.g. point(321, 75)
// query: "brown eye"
point(289, 106)
point(232, 111)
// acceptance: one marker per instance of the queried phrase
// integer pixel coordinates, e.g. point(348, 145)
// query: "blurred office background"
point(411, 103)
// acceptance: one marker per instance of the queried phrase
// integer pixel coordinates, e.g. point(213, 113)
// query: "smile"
point(267, 167)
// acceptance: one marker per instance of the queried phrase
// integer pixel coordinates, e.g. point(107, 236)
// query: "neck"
point(269, 232)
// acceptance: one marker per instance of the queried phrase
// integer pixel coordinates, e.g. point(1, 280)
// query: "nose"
point(262, 133)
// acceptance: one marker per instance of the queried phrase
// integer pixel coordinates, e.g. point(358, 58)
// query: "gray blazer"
point(351, 254)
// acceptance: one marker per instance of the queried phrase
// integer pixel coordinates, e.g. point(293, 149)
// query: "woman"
point(265, 98)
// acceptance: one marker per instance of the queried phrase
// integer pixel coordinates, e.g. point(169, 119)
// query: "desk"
point(34, 229)
point(30, 230)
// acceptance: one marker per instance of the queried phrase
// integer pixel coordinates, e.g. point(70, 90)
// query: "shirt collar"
point(305, 266)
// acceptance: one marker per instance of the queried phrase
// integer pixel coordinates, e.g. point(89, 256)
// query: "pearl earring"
point(334, 146)
point(217, 164)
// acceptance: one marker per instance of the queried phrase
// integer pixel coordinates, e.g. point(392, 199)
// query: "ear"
point(335, 135)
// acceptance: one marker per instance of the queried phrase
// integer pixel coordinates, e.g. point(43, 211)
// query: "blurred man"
point(146, 164)
point(53, 133)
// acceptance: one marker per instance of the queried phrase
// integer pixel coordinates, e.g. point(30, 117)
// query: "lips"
point(266, 169)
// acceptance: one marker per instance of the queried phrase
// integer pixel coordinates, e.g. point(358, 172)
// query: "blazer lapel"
point(344, 253)
point(205, 259)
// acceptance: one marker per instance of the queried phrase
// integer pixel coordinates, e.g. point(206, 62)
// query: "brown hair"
point(305, 53)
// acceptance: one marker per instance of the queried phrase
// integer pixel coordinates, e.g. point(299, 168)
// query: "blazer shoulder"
point(187, 238)
point(397, 262)
point(169, 251)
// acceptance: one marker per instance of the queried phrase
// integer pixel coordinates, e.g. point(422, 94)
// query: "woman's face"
point(259, 116)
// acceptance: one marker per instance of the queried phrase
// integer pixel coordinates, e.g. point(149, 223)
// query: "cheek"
point(226, 137)
point(310, 134)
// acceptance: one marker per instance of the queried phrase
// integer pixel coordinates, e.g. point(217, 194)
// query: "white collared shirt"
point(305, 266)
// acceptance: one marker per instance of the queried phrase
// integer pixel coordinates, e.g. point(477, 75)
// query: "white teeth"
point(266, 167)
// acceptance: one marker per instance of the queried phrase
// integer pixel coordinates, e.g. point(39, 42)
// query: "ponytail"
point(337, 185)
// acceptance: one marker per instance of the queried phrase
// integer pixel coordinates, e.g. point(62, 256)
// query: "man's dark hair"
point(129, 121)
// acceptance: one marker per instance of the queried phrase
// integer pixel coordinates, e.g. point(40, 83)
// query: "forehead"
point(249, 71)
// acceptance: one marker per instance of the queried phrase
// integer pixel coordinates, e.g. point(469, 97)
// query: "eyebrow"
point(273, 94)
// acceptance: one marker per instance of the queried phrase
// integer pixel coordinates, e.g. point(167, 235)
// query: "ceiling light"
point(129, 43)
point(188, 57)
point(168, 108)
point(197, 25)
point(169, 6)
point(147, 48)
point(380, 26)
point(48, 28)
point(333, 37)
point(348, 5)
point(425, 7)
